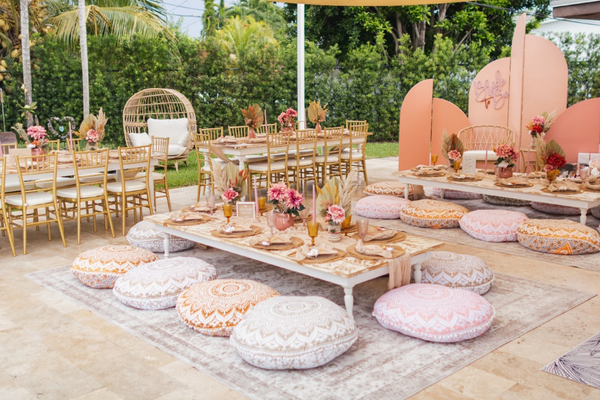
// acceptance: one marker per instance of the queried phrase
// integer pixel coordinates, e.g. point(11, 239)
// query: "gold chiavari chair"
point(272, 171)
point(78, 144)
point(160, 151)
point(54, 145)
point(269, 128)
point(131, 193)
point(35, 199)
point(329, 164)
point(303, 167)
point(5, 225)
point(6, 152)
point(86, 197)
point(354, 156)
point(238, 131)
point(204, 153)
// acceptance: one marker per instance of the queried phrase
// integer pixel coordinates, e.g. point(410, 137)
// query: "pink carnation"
point(454, 154)
point(36, 132)
point(229, 195)
point(279, 192)
point(294, 199)
point(539, 120)
point(336, 214)
point(506, 151)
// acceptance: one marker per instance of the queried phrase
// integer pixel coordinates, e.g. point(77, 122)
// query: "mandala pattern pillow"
point(381, 207)
point(387, 188)
point(434, 313)
point(493, 225)
point(156, 285)
point(145, 236)
point(214, 308)
point(455, 194)
point(292, 332)
point(99, 268)
point(505, 201)
point(433, 214)
point(555, 209)
point(558, 237)
point(459, 271)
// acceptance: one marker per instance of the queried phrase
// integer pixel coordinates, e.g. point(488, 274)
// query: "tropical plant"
point(253, 116)
point(243, 38)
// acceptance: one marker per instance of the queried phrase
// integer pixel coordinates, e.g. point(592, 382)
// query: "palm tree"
point(260, 10)
point(241, 38)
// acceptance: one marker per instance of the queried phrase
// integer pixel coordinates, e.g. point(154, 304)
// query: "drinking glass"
point(434, 159)
point(346, 224)
point(304, 215)
point(271, 217)
point(228, 211)
point(210, 203)
point(262, 205)
point(313, 231)
point(362, 226)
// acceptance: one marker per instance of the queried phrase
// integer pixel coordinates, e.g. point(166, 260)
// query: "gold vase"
point(552, 175)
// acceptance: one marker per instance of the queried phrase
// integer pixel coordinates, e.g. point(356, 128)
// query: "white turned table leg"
point(406, 191)
point(349, 300)
point(417, 273)
point(167, 244)
point(583, 217)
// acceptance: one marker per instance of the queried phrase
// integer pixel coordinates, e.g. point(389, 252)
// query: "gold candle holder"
point(346, 224)
point(313, 230)
point(434, 159)
point(262, 205)
point(228, 211)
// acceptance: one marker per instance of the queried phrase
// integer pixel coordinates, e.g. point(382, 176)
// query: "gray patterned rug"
point(582, 364)
point(381, 365)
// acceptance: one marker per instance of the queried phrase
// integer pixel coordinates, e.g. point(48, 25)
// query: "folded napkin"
point(180, 217)
point(563, 186)
point(235, 228)
point(200, 208)
point(268, 237)
point(592, 183)
point(379, 234)
point(307, 251)
point(514, 181)
point(430, 167)
point(372, 250)
point(227, 139)
point(399, 271)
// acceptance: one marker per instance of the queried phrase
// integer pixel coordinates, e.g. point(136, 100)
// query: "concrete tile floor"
point(50, 348)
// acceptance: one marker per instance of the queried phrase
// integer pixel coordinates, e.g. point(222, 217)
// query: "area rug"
point(582, 364)
point(381, 365)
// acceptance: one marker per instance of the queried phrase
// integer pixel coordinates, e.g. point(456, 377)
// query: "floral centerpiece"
point(92, 129)
point(317, 114)
point(552, 157)
point(452, 149)
point(287, 203)
point(229, 180)
point(287, 119)
point(507, 156)
point(334, 203)
point(38, 136)
point(230, 196)
point(253, 117)
point(539, 126)
point(334, 215)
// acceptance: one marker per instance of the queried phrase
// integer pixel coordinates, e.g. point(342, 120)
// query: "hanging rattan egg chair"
point(169, 112)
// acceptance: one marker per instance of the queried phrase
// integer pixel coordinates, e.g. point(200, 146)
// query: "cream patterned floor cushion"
point(505, 201)
point(382, 207)
point(156, 285)
point(99, 268)
point(433, 214)
point(555, 209)
point(456, 194)
point(558, 236)
point(387, 188)
point(293, 332)
point(145, 236)
point(493, 225)
point(214, 308)
point(596, 212)
point(459, 271)
point(434, 313)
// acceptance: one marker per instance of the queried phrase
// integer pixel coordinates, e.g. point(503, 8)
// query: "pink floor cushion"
point(434, 214)
point(214, 308)
point(456, 194)
point(145, 236)
point(558, 236)
point(493, 225)
point(596, 212)
point(505, 201)
point(156, 285)
point(99, 268)
point(387, 188)
point(555, 209)
point(294, 332)
point(459, 271)
point(434, 313)
point(382, 207)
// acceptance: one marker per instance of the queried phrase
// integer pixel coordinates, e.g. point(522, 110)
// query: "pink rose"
point(336, 213)
point(229, 195)
point(454, 154)
point(92, 136)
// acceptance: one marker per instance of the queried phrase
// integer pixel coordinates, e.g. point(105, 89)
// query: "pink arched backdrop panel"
point(577, 129)
point(545, 82)
point(515, 88)
point(415, 126)
point(488, 97)
point(445, 116)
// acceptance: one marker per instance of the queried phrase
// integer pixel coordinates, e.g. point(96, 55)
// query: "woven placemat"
point(398, 237)
point(255, 231)
point(321, 259)
point(398, 251)
point(520, 185)
point(204, 220)
point(545, 190)
point(432, 175)
point(466, 179)
point(296, 242)
point(193, 210)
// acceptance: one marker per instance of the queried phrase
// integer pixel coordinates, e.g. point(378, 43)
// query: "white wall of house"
point(573, 26)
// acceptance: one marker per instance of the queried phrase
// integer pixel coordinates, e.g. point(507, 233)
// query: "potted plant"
point(507, 156)
point(317, 114)
point(287, 204)
point(253, 117)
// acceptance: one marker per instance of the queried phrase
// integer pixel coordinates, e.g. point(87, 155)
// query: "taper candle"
point(255, 193)
point(314, 210)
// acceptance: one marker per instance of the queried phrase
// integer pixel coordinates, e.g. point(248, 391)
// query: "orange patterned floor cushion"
point(505, 201)
point(99, 268)
point(455, 194)
point(214, 308)
point(433, 214)
point(387, 188)
point(558, 236)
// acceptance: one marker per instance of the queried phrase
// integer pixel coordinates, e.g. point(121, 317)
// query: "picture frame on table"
point(246, 209)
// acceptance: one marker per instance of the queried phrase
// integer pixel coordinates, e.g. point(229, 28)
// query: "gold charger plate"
point(432, 175)
point(398, 251)
point(398, 237)
point(545, 190)
point(465, 179)
point(193, 210)
point(519, 186)
point(255, 231)
point(296, 242)
point(204, 220)
point(588, 189)
point(321, 258)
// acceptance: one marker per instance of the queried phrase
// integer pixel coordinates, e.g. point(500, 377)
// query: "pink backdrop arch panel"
point(489, 94)
point(446, 116)
point(577, 129)
point(415, 126)
point(545, 82)
point(515, 87)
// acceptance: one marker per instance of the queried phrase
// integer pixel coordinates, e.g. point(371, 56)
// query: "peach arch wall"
point(415, 126)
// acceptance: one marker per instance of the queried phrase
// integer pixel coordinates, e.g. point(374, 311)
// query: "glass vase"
point(335, 233)
point(284, 221)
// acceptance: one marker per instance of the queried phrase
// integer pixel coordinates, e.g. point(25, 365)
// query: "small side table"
point(528, 158)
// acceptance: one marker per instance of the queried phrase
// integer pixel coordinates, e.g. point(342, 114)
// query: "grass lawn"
point(188, 174)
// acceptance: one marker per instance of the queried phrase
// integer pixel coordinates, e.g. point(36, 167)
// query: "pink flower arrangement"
point(92, 136)
point(541, 124)
point(288, 117)
point(507, 156)
point(286, 200)
point(454, 155)
point(229, 195)
point(36, 132)
point(335, 215)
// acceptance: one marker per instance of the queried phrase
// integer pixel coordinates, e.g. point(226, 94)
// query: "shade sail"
point(367, 3)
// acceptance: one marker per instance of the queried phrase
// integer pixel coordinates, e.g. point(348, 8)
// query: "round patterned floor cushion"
point(387, 188)
point(493, 225)
point(505, 201)
point(156, 285)
point(293, 332)
point(433, 214)
point(455, 194)
point(460, 271)
point(145, 236)
point(434, 313)
point(558, 236)
point(596, 212)
point(99, 268)
point(214, 308)
point(382, 207)
point(555, 209)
